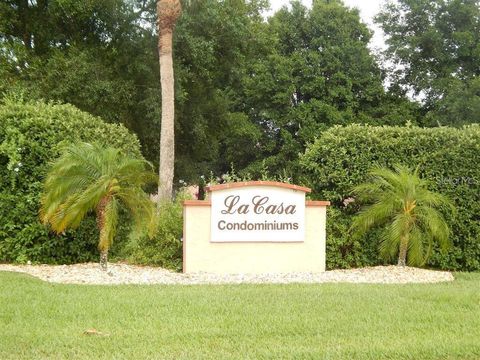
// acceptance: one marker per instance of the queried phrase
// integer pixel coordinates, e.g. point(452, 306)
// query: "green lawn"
point(39, 320)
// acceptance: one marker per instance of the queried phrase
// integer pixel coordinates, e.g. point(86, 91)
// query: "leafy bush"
point(342, 249)
point(31, 136)
point(165, 248)
point(447, 158)
point(23, 238)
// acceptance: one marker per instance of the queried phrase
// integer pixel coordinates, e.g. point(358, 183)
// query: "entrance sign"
point(258, 214)
point(254, 227)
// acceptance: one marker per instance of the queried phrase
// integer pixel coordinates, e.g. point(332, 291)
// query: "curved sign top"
point(233, 185)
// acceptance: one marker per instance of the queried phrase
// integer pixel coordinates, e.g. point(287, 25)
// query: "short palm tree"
point(408, 212)
point(92, 178)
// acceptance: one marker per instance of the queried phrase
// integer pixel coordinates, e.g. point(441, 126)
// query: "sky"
point(368, 9)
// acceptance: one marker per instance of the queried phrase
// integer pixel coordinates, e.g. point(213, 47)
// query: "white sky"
point(368, 9)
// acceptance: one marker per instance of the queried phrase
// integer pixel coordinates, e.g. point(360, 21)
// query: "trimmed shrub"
point(31, 136)
point(447, 157)
point(343, 250)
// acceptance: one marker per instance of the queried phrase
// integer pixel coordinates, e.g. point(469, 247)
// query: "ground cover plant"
point(327, 321)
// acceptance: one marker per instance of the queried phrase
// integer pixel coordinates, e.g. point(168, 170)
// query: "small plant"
point(264, 175)
point(402, 204)
point(91, 178)
point(165, 247)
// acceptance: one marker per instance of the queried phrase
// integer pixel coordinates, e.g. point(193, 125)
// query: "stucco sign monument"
point(254, 227)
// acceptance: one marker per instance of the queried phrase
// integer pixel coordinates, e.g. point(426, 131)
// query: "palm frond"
point(142, 209)
point(136, 172)
point(368, 192)
point(387, 178)
point(389, 244)
point(416, 247)
point(432, 199)
point(71, 212)
point(373, 215)
point(434, 225)
point(396, 232)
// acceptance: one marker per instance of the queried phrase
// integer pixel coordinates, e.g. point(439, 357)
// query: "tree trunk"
point(100, 224)
point(167, 135)
point(167, 13)
point(402, 254)
point(24, 13)
point(104, 259)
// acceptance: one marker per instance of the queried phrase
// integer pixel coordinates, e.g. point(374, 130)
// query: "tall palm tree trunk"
point(167, 13)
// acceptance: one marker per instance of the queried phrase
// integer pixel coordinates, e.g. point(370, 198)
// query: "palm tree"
point(407, 211)
point(168, 12)
point(91, 178)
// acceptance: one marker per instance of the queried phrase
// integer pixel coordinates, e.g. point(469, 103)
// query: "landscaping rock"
point(91, 273)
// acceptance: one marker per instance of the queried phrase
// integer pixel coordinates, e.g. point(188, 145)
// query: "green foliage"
point(214, 44)
point(402, 205)
point(31, 136)
point(344, 250)
point(23, 238)
point(165, 247)
point(104, 60)
point(261, 173)
point(459, 106)
point(89, 178)
point(341, 157)
point(246, 90)
point(318, 72)
point(434, 46)
point(100, 56)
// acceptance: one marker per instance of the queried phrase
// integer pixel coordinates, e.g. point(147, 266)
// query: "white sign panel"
point(258, 214)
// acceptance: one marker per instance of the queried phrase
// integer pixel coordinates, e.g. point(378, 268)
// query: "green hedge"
point(448, 157)
point(31, 135)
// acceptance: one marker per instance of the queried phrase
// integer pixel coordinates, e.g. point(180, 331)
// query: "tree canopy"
point(435, 47)
point(318, 73)
point(249, 91)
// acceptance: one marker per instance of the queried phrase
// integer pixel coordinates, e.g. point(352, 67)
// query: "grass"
point(39, 320)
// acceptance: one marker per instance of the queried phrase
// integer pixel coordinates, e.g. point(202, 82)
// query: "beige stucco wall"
point(200, 255)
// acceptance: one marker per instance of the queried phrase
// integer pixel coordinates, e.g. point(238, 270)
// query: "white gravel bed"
point(91, 273)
